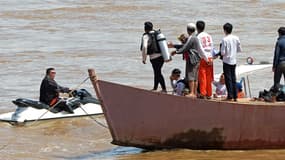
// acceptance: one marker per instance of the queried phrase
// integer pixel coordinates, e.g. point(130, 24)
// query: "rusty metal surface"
point(147, 119)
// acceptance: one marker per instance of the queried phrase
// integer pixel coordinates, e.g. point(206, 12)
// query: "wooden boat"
point(151, 120)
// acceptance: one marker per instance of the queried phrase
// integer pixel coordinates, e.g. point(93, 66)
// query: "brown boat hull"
point(145, 119)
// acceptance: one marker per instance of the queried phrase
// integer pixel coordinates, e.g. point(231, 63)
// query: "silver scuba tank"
point(163, 46)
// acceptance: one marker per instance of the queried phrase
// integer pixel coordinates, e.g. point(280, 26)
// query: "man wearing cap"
point(206, 72)
point(149, 47)
point(191, 70)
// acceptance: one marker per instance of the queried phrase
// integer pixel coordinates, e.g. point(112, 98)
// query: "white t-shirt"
point(230, 47)
point(207, 45)
point(221, 89)
point(177, 87)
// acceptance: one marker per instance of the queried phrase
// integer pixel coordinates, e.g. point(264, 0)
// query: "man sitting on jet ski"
point(49, 92)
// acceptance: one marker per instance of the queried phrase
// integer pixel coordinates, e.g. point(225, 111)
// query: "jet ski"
point(82, 103)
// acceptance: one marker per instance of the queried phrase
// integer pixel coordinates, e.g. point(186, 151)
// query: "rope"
point(99, 123)
point(46, 112)
point(94, 119)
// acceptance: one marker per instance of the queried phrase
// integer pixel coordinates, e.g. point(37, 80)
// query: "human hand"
point(143, 62)
point(170, 59)
point(215, 57)
point(170, 44)
point(173, 53)
point(210, 62)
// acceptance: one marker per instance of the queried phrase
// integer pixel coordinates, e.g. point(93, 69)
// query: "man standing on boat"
point(229, 49)
point(206, 72)
point(279, 58)
point(149, 46)
point(49, 91)
point(191, 69)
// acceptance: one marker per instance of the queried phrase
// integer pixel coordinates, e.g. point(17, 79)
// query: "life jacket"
point(152, 45)
point(240, 94)
point(183, 81)
point(53, 101)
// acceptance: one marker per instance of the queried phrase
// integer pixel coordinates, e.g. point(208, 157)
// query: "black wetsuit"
point(50, 90)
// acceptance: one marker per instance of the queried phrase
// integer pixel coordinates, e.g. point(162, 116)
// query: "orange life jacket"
point(53, 101)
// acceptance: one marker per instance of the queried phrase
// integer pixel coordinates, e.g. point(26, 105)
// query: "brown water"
point(73, 36)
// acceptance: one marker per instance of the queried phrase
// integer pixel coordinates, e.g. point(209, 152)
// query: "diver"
point(149, 47)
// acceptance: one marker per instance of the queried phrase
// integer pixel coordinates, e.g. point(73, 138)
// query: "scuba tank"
point(163, 46)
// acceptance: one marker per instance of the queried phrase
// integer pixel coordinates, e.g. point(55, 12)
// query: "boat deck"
point(249, 101)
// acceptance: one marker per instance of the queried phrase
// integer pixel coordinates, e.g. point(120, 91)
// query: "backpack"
point(152, 45)
point(274, 91)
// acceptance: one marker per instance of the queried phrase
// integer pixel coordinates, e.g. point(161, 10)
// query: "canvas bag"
point(194, 57)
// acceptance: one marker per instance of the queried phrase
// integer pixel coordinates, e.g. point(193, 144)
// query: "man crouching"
point(180, 86)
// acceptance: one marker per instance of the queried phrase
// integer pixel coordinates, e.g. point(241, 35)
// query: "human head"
point(222, 78)
point(281, 31)
point(228, 28)
point(200, 25)
point(182, 38)
point(148, 26)
point(191, 28)
point(175, 74)
point(50, 72)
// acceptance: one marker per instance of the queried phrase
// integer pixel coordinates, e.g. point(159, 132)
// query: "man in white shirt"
point(206, 71)
point(229, 49)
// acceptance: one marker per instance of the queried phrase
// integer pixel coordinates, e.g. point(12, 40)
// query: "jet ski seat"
point(24, 102)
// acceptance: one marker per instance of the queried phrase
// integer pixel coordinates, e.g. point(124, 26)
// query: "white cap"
point(191, 25)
